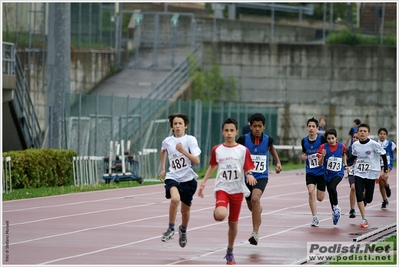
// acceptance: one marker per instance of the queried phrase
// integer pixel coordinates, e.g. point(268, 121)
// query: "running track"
point(124, 226)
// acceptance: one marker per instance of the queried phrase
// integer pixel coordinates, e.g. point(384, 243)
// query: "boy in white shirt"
point(180, 181)
point(367, 153)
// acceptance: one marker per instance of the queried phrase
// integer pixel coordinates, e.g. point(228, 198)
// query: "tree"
point(209, 85)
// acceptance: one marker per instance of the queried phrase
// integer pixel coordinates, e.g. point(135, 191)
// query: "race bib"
point(229, 173)
point(259, 162)
point(334, 164)
point(313, 161)
point(178, 162)
point(363, 164)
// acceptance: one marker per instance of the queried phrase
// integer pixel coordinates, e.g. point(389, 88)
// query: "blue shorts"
point(186, 190)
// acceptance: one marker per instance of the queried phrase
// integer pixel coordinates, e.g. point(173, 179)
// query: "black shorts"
point(186, 190)
point(317, 180)
point(351, 179)
point(260, 184)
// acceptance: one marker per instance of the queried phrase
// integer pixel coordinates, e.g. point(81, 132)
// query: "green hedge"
point(34, 168)
point(346, 36)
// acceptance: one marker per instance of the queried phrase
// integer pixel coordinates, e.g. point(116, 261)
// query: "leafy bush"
point(346, 36)
point(210, 85)
point(34, 168)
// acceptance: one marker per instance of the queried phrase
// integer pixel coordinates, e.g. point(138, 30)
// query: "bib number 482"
point(178, 164)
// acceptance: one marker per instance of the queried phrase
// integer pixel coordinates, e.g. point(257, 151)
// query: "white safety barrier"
point(148, 159)
point(7, 182)
point(288, 147)
point(85, 170)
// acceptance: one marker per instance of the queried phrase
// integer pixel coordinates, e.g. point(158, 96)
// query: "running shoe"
point(253, 240)
point(336, 215)
point(182, 238)
point(352, 213)
point(315, 222)
point(168, 235)
point(230, 259)
point(364, 224)
point(384, 204)
point(388, 190)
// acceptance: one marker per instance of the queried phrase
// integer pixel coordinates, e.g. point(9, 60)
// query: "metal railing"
point(170, 84)
point(23, 103)
point(8, 58)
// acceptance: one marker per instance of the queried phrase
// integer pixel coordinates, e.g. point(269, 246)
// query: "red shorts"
point(223, 199)
point(378, 180)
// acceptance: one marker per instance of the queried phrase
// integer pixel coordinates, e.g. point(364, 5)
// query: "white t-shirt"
point(232, 163)
point(368, 159)
point(179, 165)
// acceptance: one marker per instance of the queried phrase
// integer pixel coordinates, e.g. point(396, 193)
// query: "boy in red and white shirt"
point(233, 162)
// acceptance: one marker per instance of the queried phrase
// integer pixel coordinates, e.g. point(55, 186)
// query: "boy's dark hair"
point(329, 132)
point(383, 129)
point(230, 121)
point(178, 115)
point(258, 117)
point(364, 125)
point(357, 121)
point(313, 120)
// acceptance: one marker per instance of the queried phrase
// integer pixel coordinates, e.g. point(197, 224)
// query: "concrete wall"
point(88, 69)
point(339, 82)
point(223, 30)
point(336, 81)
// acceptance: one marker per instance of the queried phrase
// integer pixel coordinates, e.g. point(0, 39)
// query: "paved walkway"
point(138, 81)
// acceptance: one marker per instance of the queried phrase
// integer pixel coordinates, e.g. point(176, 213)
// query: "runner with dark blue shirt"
point(352, 131)
point(259, 144)
point(314, 172)
point(390, 148)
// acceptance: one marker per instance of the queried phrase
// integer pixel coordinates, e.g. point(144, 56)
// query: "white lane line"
point(30, 201)
point(122, 223)
point(77, 203)
point(116, 209)
point(80, 214)
point(79, 193)
point(208, 208)
point(191, 229)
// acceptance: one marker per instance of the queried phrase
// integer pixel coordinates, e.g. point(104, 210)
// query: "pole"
point(324, 21)
point(272, 25)
point(382, 24)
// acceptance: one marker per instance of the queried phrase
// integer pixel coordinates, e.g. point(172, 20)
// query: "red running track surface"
point(124, 226)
